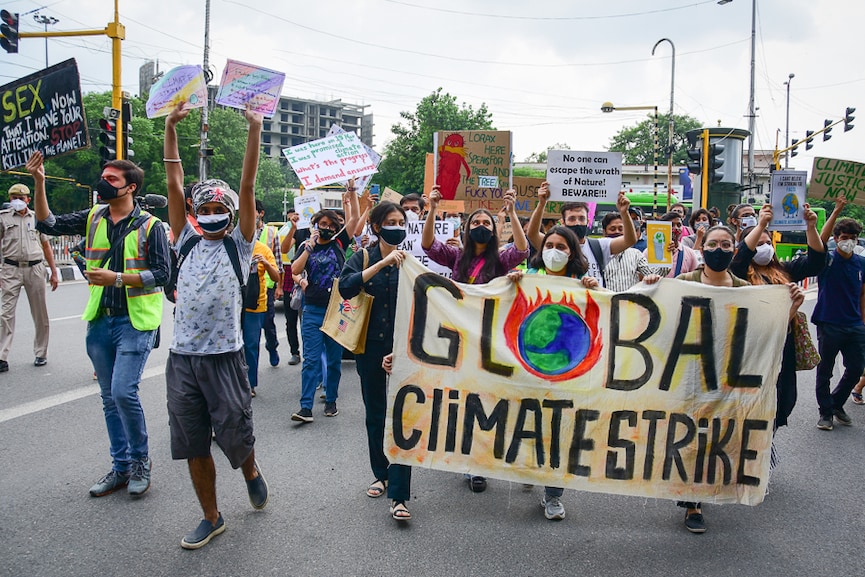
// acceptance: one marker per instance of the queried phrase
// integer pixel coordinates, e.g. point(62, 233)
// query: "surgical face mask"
point(411, 216)
point(17, 204)
point(764, 255)
point(455, 223)
point(846, 246)
point(581, 230)
point(392, 235)
point(718, 259)
point(214, 223)
point(748, 221)
point(481, 234)
point(106, 190)
point(555, 259)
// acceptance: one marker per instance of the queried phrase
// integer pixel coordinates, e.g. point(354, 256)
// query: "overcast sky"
point(543, 67)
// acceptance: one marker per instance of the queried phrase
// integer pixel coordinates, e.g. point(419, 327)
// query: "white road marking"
point(64, 318)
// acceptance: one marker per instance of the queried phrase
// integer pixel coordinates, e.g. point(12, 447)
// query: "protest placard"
point(788, 189)
point(659, 233)
point(329, 160)
point(472, 164)
point(391, 195)
point(306, 206)
point(452, 206)
point(664, 391)
point(181, 84)
point(361, 182)
point(412, 243)
point(584, 176)
point(831, 178)
point(42, 112)
point(242, 83)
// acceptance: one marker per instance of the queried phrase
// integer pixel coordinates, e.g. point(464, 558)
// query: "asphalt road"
point(320, 522)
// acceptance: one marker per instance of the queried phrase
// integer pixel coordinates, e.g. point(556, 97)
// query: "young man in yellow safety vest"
point(127, 264)
point(269, 237)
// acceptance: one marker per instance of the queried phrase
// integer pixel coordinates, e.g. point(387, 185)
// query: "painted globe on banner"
point(554, 339)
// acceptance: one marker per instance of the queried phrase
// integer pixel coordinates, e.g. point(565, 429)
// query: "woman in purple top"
point(479, 261)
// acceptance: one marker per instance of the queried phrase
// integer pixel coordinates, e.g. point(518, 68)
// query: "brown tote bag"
point(346, 320)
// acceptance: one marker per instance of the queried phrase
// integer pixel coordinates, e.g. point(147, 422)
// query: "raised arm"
point(829, 225)
point(520, 241)
point(174, 172)
point(246, 210)
point(428, 235)
point(763, 220)
point(814, 241)
point(628, 239)
point(534, 235)
point(37, 171)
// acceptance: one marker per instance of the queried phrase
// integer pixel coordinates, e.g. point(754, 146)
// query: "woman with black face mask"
point(376, 270)
point(479, 261)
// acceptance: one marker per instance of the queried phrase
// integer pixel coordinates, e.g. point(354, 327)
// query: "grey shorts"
point(209, 393)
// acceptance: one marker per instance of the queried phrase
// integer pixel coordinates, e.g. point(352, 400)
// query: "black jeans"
point(291, 317)
point(850, 342)
point(270, 339)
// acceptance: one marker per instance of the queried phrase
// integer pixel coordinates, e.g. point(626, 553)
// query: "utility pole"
point(202, 151)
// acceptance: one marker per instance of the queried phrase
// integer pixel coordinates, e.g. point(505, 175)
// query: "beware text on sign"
point(584, 176)
point(44, 112)
point(665, 392)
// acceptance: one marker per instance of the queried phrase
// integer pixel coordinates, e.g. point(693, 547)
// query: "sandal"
point(857, 398)
point(399, 511)
point(376, 489)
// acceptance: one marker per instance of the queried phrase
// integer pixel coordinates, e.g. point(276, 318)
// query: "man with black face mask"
point(127, 264)
point(575, 216)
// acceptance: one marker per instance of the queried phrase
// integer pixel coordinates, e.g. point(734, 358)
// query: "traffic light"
point(126, 117)
point(827, 128)
point(695, 155)
point(848, 118)
point(9, 29)
point(108, 138)
point(808, 140)
point(795, 144)
point(716, 161)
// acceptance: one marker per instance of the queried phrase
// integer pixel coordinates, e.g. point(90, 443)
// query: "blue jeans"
point(314, 342)
point(252, 325)
point(119, 352)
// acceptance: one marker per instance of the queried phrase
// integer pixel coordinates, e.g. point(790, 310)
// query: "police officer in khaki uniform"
point(23, 249)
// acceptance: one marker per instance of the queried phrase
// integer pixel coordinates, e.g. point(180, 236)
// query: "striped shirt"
point(625, 269)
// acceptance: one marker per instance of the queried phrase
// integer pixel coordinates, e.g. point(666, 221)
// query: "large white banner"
point(666, 391)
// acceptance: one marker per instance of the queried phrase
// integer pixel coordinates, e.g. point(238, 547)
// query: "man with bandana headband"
point(206, 378)
point(22, 248)
point(127, 264)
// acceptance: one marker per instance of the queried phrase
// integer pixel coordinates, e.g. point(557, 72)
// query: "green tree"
point(540, 157)
point(637, 143)
point(402, 167)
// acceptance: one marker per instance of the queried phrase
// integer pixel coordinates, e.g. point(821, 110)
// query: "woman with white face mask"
point(560, 255)
point(755, 261)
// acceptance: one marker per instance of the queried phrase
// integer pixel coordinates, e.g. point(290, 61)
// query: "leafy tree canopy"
point(637, 143)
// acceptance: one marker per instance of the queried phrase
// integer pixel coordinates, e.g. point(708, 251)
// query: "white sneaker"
point(553, 508)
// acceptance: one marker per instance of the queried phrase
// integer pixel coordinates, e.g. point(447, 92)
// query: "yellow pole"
point(704, 173)
point(117, 32)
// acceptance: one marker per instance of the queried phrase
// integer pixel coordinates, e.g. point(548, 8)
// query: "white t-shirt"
point(209, 301)
point(594, 269)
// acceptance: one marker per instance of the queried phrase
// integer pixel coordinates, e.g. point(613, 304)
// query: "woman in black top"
point(380, 279)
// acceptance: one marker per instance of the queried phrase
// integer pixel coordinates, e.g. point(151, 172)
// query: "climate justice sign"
point(667, 391)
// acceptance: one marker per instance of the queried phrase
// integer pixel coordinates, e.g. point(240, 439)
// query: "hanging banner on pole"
point(788, 190)
point(666, 391)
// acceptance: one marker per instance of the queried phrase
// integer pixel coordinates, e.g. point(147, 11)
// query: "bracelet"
point(171, 160)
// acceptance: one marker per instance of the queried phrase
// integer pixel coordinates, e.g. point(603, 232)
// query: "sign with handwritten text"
point(832, 177)
point(584, 176)
point(181, 84)
point(472, 163)
point(360, 183)
point(42, 112)
point(331, 159)
point(242, 83)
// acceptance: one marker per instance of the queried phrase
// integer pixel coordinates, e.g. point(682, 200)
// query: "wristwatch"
point(119, 281)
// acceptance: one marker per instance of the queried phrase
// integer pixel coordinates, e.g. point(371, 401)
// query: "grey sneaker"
point(825, 423)
point(842, 417)
point(111, 482)
point(303, 415)
point(139, 477)
point(553, 508)
point(330, 409)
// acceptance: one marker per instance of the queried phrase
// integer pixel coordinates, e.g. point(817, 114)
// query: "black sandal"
point(376, 488)
point(399, 511)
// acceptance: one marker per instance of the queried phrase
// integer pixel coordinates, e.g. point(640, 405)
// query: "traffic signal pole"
point(117, 32)
point(704, 170)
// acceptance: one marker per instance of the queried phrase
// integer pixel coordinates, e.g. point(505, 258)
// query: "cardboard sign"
point(584, 176)
point(664, 391)
point(306, 206)
point(330, 160)
point(472, 164)
point(42, 112)
point(788, 199)
point(361, 182)
point(242, 83)
point(659, 233)
point(831, 178)
point(182, 84)
point(451, 206)
point(390, 195)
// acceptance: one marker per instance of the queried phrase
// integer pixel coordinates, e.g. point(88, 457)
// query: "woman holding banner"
point(479, 261)
point(756, 261)
point(380, 279)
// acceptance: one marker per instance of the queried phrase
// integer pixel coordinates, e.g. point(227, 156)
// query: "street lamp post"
point(45, 20)
point(787, 133)
point(672, 122)
point(607, 107)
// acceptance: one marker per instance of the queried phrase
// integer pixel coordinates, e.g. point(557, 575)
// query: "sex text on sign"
point(42, 112)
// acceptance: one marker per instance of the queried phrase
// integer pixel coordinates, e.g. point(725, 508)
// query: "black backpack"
point(177, 261)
